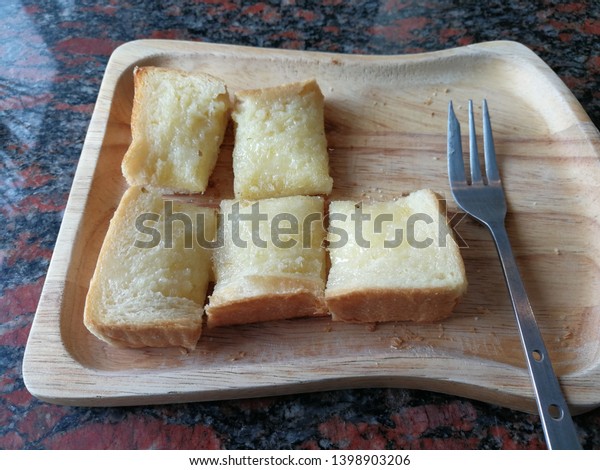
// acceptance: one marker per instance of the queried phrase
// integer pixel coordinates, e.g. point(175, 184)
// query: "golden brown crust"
point(265, 308)
point(288, 89)
point(160, 335)
point(382, 305)
point(139, 75)
point(270, 298)
point(140, 72)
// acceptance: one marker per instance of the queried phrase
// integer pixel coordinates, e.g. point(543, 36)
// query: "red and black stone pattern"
point(52, 59)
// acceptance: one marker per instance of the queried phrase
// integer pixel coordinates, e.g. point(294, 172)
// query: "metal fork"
point(483, 199)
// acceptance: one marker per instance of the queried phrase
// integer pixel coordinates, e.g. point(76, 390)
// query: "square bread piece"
point(150, 282)
point(401, 265)
point(178, 123)
point(271, 265)
point(280, 146)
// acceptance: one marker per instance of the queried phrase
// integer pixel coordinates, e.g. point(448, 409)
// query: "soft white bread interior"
point(271, 264)
point(280, 145)
point(177, 125)
point(152, 274)
point(400, 263)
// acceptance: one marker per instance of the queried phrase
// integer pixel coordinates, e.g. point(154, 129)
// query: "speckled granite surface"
point(52, 59)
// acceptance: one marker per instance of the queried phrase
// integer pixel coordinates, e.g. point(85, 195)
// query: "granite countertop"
point(53, 56)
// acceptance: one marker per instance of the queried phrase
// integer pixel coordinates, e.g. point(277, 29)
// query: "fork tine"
point(491, 167)
point(473, 153)
point(456, 166)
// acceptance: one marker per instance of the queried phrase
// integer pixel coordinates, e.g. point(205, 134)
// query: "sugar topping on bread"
point(280, 145)
point(177, 124)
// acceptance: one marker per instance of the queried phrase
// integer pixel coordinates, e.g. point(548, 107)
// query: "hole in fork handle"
point(555, 412)
point(537, 355)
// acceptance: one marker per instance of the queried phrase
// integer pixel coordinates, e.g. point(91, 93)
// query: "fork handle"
point(554, 413)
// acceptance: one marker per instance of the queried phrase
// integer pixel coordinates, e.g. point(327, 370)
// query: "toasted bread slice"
point(280, 145)
point(178, 123)
point(271, 265)
point(151, 277)
point(400, 263)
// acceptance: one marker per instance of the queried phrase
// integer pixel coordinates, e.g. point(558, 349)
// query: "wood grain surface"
point(386, 119)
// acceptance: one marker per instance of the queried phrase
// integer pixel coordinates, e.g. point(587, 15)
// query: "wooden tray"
point(386, 128)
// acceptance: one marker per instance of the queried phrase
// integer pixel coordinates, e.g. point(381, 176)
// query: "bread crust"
point(288, 89)
point(159, 335)
point(265, 308)
point(382, 305)
point(273, 298)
